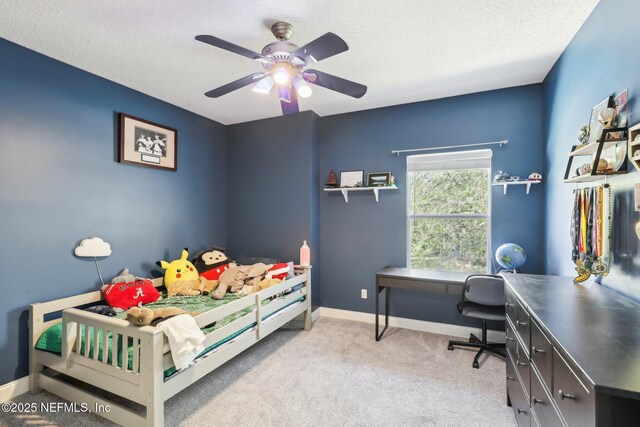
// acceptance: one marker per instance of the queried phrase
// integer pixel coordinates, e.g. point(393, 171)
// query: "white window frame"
point(488, 216)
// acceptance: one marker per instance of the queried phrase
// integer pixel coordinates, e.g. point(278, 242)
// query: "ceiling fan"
point(284, 64)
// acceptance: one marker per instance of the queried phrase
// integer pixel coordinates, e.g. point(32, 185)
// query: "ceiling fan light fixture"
point(303, 89)
point(264, 86)
point(281, 76)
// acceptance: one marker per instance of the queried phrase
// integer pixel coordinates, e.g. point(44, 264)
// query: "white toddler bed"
point(143, 379)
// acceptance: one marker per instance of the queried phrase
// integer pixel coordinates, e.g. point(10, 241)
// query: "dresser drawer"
point(522, 324)
point(519, 401)
point(522, 364)
point(541, 354)
point(542, 404)
point(510, 305)
point(573, 395)
point(510, 339)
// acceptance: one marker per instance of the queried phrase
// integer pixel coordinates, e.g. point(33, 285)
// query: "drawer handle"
point(519, 363)
point(509, 377)
point(534, 400)
point(521, 411)
point(510, 305)
point(520, 323)
point(509, 339)
point(566, 396)
point(537, 350)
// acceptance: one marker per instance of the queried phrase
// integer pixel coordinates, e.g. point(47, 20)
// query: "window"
point(448, 214)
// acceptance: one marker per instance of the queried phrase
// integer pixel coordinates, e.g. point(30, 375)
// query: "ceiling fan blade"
point(230, 87)
point(223, 44)
point(321, 48)
point(332, 82)
point(288, 100)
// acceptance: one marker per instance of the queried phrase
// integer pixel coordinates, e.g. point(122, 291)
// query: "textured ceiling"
point(403, 50)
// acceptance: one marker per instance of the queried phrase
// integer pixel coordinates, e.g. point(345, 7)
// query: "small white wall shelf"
point(345, 191)
point(505, 184)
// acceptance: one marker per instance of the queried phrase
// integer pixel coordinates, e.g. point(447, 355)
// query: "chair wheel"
point(476, 364)
point(450, 347)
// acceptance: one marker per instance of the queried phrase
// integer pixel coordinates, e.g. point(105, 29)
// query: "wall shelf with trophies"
point(345, 191)
point(613, 141)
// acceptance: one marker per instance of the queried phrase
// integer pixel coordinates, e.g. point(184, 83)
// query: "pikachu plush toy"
point(181, 277)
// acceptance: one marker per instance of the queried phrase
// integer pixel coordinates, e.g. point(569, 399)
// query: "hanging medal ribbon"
point(590, 231)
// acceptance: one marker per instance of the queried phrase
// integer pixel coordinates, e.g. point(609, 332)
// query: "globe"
point(511, 256)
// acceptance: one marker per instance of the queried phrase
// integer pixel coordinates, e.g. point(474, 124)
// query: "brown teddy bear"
point(191, 287)
point(142, 316)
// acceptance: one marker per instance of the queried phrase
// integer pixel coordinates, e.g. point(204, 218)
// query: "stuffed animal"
point(279, 271)
point(211, 264)
point(267, 283)
point(142, 316)
point(236, 279)
point(187, 288)
point(191, 288)
point(179, 269)
point(126, 291)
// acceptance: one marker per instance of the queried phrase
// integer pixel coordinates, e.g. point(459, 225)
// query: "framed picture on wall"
point(145, 143)
point(350, 179)
point(378, 179)
point(595, 127)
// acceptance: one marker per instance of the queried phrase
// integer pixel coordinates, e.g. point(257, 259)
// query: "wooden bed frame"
point(145, 383)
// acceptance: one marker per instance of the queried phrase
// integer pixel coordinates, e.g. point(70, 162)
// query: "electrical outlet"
point(363, 293)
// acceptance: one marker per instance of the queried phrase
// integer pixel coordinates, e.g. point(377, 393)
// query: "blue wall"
point(603, 59)
point(273, 188)
point(60, 183)
point(363, 236)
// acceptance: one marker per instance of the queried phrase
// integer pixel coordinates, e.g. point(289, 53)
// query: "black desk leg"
point(386, 311)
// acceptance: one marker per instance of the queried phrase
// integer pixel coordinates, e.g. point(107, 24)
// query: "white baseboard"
point(14, 389)
point(415, 325)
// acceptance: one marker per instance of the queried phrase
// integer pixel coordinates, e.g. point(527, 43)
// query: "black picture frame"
point(351, 179)
point(595, 127)
point(145, 143)
point(378, 179)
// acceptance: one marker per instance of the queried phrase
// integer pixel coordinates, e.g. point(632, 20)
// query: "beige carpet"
point(335, 375)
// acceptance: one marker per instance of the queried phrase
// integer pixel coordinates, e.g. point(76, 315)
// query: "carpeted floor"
point(335, 375)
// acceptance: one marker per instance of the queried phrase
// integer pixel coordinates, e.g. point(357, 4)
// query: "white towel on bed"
point(185, 339)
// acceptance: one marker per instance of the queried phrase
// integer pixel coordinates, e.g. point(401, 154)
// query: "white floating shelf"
point(345, 191)
point(591, 178)
point(508, 183)
point(592, 147)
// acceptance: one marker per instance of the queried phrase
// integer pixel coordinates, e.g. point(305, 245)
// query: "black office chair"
point(482, 298)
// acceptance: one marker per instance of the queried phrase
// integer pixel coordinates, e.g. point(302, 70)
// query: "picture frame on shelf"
point(378, 179)
point(620, 104)
point(351, 179)
point(595, 127)
point(145, 143)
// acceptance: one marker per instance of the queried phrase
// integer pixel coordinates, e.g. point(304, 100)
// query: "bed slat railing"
point(86, 338)
point(208, 317)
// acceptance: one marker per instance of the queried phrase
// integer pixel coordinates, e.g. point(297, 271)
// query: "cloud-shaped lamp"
point(93, 248)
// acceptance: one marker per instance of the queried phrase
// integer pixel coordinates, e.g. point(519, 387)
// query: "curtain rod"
point(501, 143)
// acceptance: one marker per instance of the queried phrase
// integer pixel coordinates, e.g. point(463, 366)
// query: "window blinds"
point(475, 159)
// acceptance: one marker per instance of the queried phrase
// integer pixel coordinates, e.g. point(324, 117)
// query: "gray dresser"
point(573, 353)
